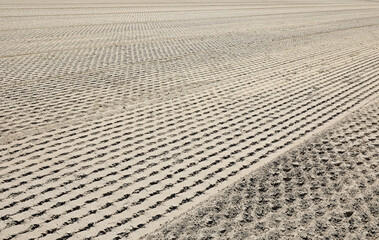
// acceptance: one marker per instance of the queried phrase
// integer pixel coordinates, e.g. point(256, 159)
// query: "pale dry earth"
point(117, 117)
point(326, 188)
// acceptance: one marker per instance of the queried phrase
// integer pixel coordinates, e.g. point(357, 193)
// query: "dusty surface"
point(117, 117)
point(326, 188)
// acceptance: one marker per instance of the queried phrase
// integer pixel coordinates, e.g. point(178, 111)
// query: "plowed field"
point(117, 116)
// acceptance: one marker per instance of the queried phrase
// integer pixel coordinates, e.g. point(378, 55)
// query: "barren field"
point(326, 188)
point(189, 119)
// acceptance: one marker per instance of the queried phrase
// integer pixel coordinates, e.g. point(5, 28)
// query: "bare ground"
point(326, 188)
point(117, 117)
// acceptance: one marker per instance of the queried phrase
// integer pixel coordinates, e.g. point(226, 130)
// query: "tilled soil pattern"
point(116, 117)
point(326, 188)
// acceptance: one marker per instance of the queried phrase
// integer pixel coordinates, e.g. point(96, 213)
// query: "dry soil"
point(118, 116)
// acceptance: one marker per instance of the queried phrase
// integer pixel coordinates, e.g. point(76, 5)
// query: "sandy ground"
point(116, 117)
point(326, 188)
